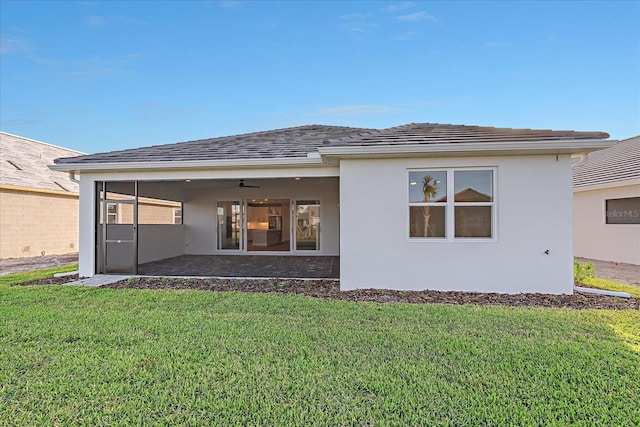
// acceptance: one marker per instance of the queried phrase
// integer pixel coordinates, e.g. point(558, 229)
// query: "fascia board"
point(466, 149)
point(191, 164)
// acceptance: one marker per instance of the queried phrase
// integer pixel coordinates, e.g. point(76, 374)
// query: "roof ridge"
point(290, 128)
point(41, 142)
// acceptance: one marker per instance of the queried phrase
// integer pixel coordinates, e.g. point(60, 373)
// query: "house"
point(38, 206)
point(606, 204)
point(418, 206)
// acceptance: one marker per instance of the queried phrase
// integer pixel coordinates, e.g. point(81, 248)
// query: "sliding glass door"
point(307, 230)
point(229, 221)
point(266, 225)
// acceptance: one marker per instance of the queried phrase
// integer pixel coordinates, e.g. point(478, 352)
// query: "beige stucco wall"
point(595, 239)
point(36, 223)
point(149, 213)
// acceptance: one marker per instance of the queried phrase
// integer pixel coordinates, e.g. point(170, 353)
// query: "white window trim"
point(451, 204)
point(117, 213)
point(175, 209)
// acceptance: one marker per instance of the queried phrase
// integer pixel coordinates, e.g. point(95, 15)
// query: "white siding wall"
point(593, 238)
point(533, 215)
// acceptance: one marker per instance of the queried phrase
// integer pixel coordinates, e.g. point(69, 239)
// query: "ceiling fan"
point(243, 185)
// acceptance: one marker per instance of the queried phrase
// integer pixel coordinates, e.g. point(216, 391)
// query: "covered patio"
point(302, 267)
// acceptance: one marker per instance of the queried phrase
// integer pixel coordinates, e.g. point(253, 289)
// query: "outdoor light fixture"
point(413, 183)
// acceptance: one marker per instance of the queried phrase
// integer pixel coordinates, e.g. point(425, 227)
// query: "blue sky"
point(104, 75)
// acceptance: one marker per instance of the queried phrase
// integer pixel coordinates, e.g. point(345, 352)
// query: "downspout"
point(72, 178)
point(601, 292)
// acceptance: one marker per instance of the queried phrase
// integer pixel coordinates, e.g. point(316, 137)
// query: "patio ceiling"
point(177, 190)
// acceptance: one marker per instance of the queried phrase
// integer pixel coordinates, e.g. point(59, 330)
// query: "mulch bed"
point(50, 281)
point(331, 289)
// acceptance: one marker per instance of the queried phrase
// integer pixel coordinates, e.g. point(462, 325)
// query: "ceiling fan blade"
point(243, 185)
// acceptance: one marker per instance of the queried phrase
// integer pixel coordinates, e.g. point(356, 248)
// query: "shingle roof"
point(297, 142)
point(615, 164)
point(288, 142)
point(23, 163)
point(435, 133)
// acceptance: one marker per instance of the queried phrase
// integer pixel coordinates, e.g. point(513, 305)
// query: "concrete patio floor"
point(303, 267)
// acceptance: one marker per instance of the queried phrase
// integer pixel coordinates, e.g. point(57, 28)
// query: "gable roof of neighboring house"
point(319, 144)
point(617, 164)
point(468, 195)
point(24, 164)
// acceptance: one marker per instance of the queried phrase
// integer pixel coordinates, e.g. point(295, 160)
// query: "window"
point(307, 225)
point(112, 213)
point(229, 225)
point(451, 204)
point(623, 211)
point(177, 215)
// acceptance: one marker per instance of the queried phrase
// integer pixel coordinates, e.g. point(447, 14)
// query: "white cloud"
point(418, 17)
point(13, 44)
point(403, 5)
point(232, 4)
point(94, 21)
point(90, 67)
point(360, 27)
point(354, 110)
point(355, 17)
point(406, 36)
point(163, 115)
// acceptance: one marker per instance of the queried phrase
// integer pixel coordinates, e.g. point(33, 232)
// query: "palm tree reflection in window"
point(429, 190)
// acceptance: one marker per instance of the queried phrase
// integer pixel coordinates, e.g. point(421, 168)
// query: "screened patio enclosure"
point(146, 221)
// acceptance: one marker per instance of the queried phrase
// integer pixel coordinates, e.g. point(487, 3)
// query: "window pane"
point(473, 186)
point(307, 225)
point(473, 221)
point(426, 221)
point(228, 225)
point(623, 211)
point(177, 215)
point(427, 186)
point(127, 188)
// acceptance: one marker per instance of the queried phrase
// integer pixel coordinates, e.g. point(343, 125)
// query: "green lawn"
point(25, 276)
point(610, 285)
point(85, 356)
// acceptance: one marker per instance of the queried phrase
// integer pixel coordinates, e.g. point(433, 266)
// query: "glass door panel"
point(119, 231)
point(268, 225)
point(229, 225)
point(307, 225)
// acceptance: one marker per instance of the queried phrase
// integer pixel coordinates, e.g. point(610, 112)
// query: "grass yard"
point(80, 356)
point(610, 285)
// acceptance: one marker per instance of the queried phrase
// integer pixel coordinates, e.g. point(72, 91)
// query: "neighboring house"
point(418, 206)
point(606, 204)
point(38, 206)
